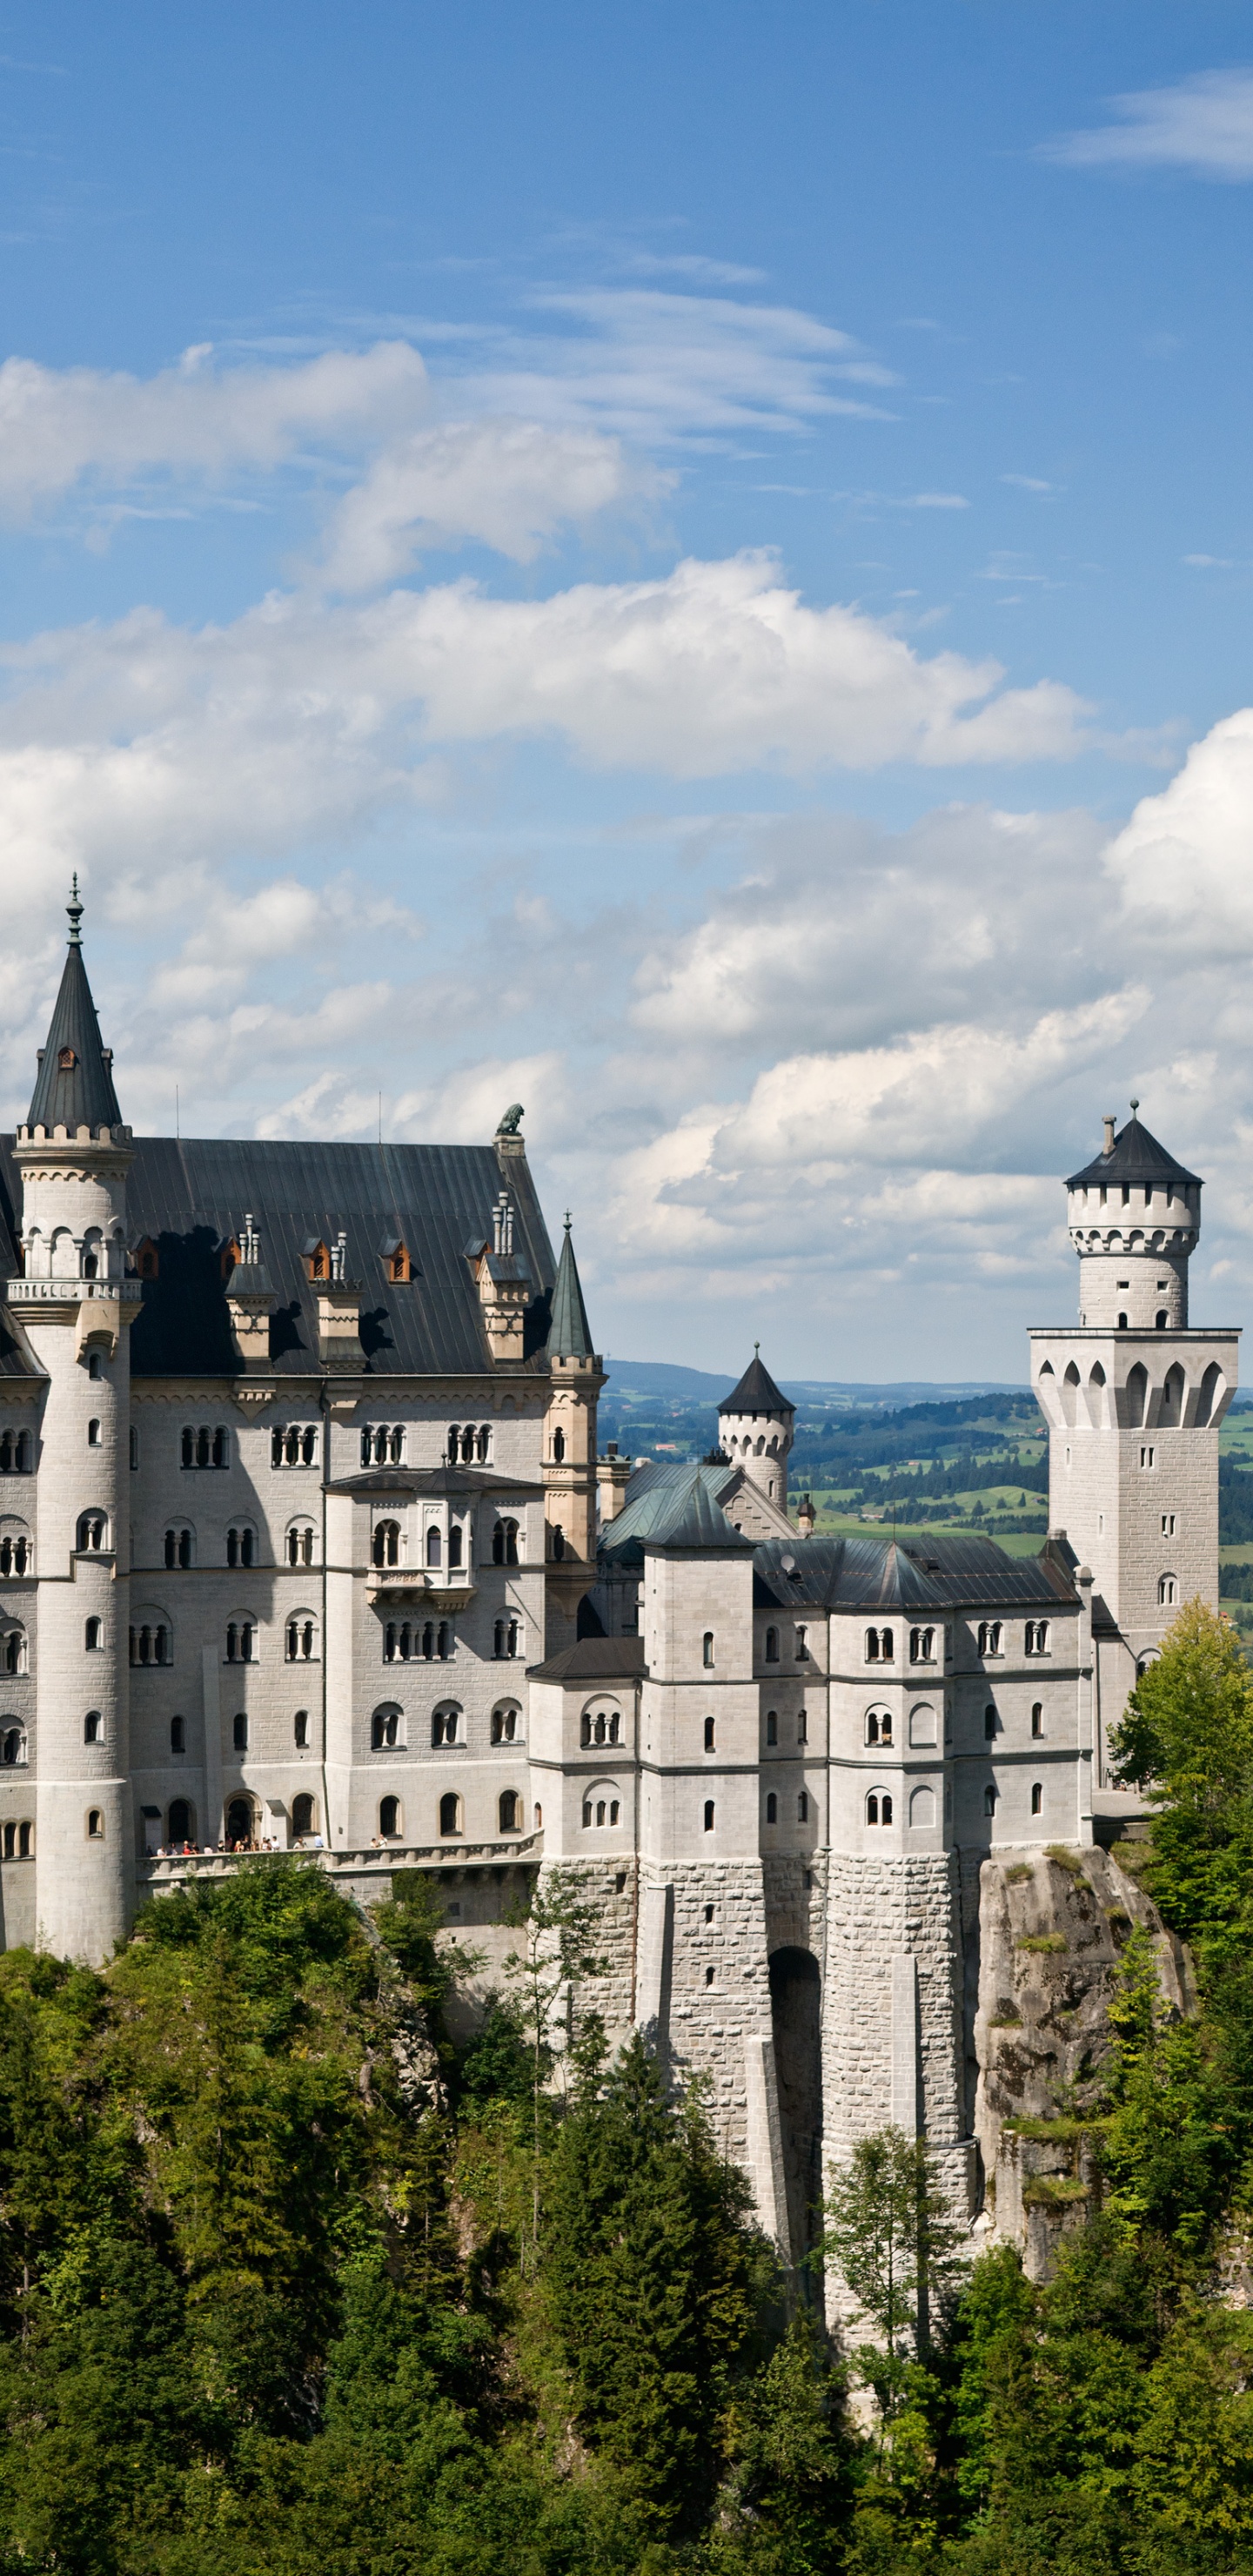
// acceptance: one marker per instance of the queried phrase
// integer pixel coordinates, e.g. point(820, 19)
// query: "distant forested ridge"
point(290, 2287)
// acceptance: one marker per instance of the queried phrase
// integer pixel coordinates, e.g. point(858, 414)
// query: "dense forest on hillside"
point(288, 2285)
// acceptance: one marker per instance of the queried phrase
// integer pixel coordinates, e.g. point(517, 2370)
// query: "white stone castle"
point(305, 1540)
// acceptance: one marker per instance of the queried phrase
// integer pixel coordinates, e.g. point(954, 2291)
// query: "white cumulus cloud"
point(1203, 124)
point(508, 484)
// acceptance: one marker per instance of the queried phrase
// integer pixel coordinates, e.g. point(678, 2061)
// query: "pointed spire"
point(570, 1334)
point(74, 1084)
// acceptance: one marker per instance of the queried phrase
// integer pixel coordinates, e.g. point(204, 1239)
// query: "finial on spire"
point(567, 1220)
point(756, 1350)
point(1134, 1106)
point(75, 911)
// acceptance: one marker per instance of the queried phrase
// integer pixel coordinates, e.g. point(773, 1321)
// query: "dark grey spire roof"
point(1137, 1156)
point(756, 1392)
point(570, 1334)
point(693, 1519)
point(74, 1084)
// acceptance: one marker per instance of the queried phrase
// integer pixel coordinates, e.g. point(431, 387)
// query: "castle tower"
point(755, 1425)
point(1133, 1396)
point(76, 1305)
point(570, 1451)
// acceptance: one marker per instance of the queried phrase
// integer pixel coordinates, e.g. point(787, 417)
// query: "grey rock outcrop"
point(1051, 1929)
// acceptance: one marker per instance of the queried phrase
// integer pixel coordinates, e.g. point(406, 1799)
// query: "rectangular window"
point(1168, 1525)
point(1148, 1457)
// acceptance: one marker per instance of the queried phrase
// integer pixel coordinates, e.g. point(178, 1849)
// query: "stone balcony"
point(419, 1587)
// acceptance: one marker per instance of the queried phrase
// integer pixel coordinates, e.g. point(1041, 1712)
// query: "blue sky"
point(691, 566)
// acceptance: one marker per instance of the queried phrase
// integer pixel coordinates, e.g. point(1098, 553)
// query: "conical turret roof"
point(1135, 1156)
point(569, 1334)
point(74, 1084)
point(756, 1392)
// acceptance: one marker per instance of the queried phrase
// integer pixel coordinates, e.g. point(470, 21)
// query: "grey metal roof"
point(693, 1520)
point(435, 1482)
point(570, 1334)
point(655, 1495)
point(190, 1197)
point(594, 1659)
point(756, 1392)
point(884, 1574)
point(1137, 1156)
point(74, 1084)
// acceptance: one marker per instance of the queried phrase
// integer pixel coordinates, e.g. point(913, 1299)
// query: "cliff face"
point(1050, 1932)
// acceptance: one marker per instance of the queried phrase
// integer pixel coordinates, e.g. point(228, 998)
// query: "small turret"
point(570, 1468)
point(1134, 1216)
point(756, 1424)
point(74, 1085)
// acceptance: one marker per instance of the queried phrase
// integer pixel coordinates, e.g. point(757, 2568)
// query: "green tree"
point(558, 1950)
point(888, 2228)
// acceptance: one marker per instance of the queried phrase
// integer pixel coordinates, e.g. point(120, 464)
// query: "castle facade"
point(306, 1540)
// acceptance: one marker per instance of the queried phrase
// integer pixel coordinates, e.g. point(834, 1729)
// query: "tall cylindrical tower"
point(1134, 1216)
point(76, 1305)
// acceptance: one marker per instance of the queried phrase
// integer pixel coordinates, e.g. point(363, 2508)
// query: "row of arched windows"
point(205, 1444)
point(603, 1728)
point(382, 1444)
point(19, 1839)
point(430, 1640)
point(17, 1556)
point(17, 1453)
point(469, 1444)
point(151, 1644)
point(294, 1444)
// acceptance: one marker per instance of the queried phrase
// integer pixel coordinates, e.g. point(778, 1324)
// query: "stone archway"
point(796, 2014)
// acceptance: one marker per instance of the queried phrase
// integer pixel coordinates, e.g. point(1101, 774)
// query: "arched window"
point(1037, 1717)
point(434, 1547)
point(93, 1533)
point(151, 1642)
point(1036, 1637)
point(240, 1824)
point(559, 1446)
point(385, 1547)
point(15, 1654)
point(802, 1808)
point(93, 1433)
point(178, 1735)
point(885, 1809)
point(239, 1730)
point(445, 1726)
point(989, 1640)
point(450, 1812)
point(16, 1552)
point(300, 1543)
point(772, 1645)
point(303, 1814)
point(179, 1828)
point(1166, 1590)
point(510, 1812)
point(772, 1808)
point(241, 1641)
point(1037, 1797)
point(93, 1727)
point(385, 1729)
point(302, 1638)
point(454, 1546)
point(178, 1547)
point(95, 1369)
point(922, 1645)
point(989, 1799)
point(241, 1545)
point(1137, 1394)
point(444, 1641)
point(95, 1825)
point(389, 1818)
point(772, 1726)
point(707, 1650)
point(709, 1735)
point(505, 1543)
point(482, 1443)
point(93, 1632)
point(454, 1443)
point(300, 1727)
point(559, 1546)
point(505, 1725)
point(467, 1446)
point(709, 1815)
point(872, 1808)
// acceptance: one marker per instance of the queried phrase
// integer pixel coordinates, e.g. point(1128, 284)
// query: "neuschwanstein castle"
point(306, 1538)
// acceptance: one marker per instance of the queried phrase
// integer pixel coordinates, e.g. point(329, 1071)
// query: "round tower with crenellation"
point(755, 1427)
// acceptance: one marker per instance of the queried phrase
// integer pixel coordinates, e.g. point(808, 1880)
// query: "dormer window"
point(317, 1258)
point(66, 1060)
point(397, 1260)
point(146, 1259)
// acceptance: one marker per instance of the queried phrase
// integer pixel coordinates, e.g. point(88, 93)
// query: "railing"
point(368, 1860)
